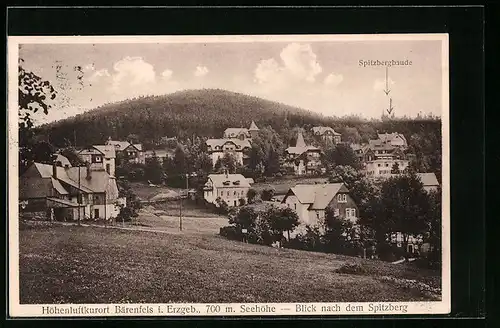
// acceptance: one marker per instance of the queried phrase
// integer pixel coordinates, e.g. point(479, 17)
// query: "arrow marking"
point(387, 90)
point(391, 108)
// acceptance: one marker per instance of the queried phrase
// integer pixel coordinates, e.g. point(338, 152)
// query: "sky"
point(321, 76)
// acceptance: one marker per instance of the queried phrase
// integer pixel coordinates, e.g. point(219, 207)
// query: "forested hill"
point(207, 113)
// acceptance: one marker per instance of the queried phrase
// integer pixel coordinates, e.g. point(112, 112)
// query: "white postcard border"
point(24, 310)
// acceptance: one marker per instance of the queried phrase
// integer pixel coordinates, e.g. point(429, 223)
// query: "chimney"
point(54, 170)
point(89, 176)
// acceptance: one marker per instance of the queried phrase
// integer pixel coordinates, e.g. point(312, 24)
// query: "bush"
point(243, 217)
point(252, 195)
point(352, 268)
point(312, 240)
point(267, 194)
point(221, 207)
point(390, 252)
point(231, 232)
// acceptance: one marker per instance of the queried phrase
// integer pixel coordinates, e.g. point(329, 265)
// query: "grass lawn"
point(70, 264)
point(205, 225)
point(145, 192)
point(189, 208)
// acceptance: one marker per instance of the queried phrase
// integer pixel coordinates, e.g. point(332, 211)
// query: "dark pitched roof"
point(97, 183)
point(220, 142)
point(107, 150)
point(323, 129)
point(318, 196)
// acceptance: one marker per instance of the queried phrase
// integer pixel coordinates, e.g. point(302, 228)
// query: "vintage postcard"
point(228, 175)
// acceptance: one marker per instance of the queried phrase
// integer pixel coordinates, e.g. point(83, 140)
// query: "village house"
point(62, 161)
point(238, 148)
point(380, 155)
point(230, 188)
point(359, 150)
point(379, 160)
point(68, 193)
point(310, 202)
point(301, 158)
point(429, 180)
point(394, 139)
point(242, 133)
point(415, 243)
point(326, 133)
point(160, 154)
point(100, 157)
point(133, 153)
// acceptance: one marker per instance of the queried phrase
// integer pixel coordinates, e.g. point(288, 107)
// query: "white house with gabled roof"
point(217, 148)
point(100, 157)
point(310, 202)
point(228, 187)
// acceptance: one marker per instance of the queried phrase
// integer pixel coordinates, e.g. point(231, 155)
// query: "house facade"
point(68, 193)
point(160, 154)
point(327, 133)
point(238, 148)
point(381, 155)
point(228, 187)
point(310, 202)
point(132, 153)
point(242, 133)
point(100, 157)
point(302, 159)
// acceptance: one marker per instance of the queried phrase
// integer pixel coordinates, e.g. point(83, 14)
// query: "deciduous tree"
point(35, 95)
point(281, 220)
point(403, 207)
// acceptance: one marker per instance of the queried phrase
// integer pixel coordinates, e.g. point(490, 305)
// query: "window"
point(379, 165)
point(228, 194)
point(342, 198)
point(336, 212)
point(317, 215)
point(386, 165)
point(108, 168)
point(295, 206)
point(350, 212)
point(235, 193)
point(96, 159)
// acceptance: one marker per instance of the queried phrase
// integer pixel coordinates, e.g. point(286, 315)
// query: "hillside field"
point(70, 264)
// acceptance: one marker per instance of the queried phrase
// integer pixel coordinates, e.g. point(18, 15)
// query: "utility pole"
point(78, 195)
point(180, 208)
point(180, 214)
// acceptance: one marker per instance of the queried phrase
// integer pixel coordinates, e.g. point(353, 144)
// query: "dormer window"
point(96, 159)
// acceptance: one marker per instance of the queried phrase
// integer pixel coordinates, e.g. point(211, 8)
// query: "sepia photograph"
point(228, 175)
